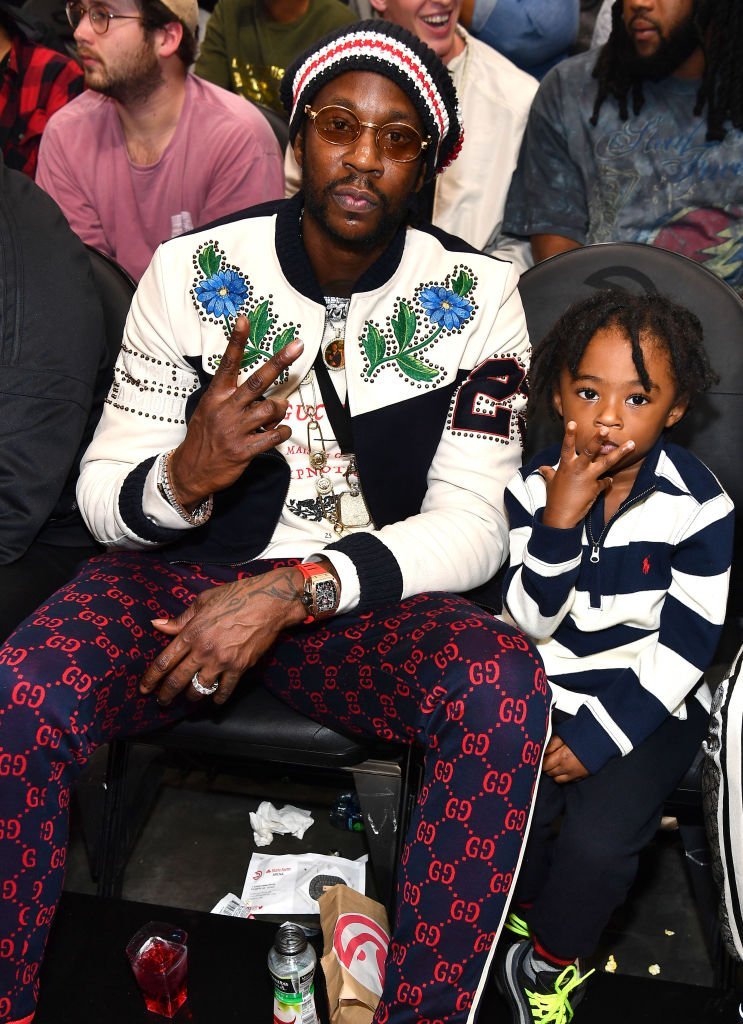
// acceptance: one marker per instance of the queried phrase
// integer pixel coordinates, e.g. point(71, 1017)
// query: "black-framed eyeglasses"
point(340, 127)
point(98, 16)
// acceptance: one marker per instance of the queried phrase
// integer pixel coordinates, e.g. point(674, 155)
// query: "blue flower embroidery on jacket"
point(444, 306)
point(222, 293)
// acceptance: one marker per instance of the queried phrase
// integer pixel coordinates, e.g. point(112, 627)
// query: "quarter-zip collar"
point(596, 529)
point(645, 482)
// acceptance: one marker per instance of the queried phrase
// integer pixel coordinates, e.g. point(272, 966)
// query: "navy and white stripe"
point(624, 639)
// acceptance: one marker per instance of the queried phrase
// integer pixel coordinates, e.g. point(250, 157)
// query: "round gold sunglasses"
point(341, 127)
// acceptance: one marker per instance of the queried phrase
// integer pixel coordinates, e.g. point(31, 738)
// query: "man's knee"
point(495, 690)
point(496, 661)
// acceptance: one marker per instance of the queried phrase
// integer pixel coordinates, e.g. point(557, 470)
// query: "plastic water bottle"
point(346, 813)
point(291, 962)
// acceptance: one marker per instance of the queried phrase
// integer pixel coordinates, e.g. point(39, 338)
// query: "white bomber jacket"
point(436, 356)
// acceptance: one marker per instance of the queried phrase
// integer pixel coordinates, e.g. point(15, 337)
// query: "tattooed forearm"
point(234, 600)
point(283, 587)
point(225, 631)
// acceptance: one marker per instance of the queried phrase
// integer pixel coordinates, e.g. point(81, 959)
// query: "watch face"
point(325, 596)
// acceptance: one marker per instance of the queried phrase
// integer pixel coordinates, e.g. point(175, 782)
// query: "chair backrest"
point(278, 123)
point(45, 21)
point(713, 429)
point(115, 289)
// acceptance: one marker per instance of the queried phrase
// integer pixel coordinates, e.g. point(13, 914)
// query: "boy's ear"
point(380, 6)
point(677, 412)
point(557, 402)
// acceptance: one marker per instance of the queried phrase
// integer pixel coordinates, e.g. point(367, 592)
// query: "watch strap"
point(311, 571)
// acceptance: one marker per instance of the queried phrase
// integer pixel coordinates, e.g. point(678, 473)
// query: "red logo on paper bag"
point(361, 947)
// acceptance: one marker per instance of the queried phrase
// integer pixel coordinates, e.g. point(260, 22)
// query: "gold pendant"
point(333, 354)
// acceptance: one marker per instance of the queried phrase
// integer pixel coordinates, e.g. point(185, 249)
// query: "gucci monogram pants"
point(433, 670)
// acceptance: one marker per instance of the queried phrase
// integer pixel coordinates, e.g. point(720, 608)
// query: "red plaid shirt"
point(36, 81)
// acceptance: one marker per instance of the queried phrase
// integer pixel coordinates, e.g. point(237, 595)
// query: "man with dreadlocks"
point(305, 506)
point(642, 142)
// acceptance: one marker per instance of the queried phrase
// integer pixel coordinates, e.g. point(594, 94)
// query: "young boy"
point(620, 558)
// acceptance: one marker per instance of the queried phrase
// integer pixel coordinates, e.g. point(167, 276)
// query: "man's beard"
point(134, 79)
point(672, 51)
point(316, 201)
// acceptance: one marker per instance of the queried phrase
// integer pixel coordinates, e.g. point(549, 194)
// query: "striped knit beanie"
point(388, 50)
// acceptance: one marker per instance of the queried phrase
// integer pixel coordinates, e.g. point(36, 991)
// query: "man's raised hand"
point(232, 423)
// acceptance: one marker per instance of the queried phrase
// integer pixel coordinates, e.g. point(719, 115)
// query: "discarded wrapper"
point(291, 884)
point(356, 935)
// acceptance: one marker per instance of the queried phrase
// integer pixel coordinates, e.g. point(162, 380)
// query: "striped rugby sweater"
point(627, 614)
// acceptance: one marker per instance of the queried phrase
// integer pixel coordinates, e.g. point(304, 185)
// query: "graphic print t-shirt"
point(653, 178)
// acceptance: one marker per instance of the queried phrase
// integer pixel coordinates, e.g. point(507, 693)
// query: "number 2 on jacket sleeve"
point(482, 402)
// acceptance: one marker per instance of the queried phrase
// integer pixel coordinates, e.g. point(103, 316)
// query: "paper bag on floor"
point(356, 935)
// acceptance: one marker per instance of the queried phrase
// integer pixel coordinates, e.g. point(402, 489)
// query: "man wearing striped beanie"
point(300, 472)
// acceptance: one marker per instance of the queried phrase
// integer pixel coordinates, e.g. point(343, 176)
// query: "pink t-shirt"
point(222, 158)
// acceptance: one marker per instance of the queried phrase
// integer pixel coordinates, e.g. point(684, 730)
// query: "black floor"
point(85, 981)
point(197, 842)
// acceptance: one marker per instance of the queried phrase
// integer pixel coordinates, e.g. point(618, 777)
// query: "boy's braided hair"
point(719, 27)
point(673, 327)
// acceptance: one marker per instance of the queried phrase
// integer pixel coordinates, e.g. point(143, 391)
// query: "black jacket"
point(54, 369)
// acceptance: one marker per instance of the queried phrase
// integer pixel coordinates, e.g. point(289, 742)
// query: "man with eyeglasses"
point(151, 151)
point(301, 468)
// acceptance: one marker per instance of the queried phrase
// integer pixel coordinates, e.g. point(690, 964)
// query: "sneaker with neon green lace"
point(539, 996)
point(517, 926)
point(515, 929)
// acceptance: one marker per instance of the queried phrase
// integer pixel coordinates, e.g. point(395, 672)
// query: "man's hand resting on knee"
point(223, 633)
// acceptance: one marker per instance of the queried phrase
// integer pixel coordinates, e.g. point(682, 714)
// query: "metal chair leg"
point(381, 788)
point(112, 846)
